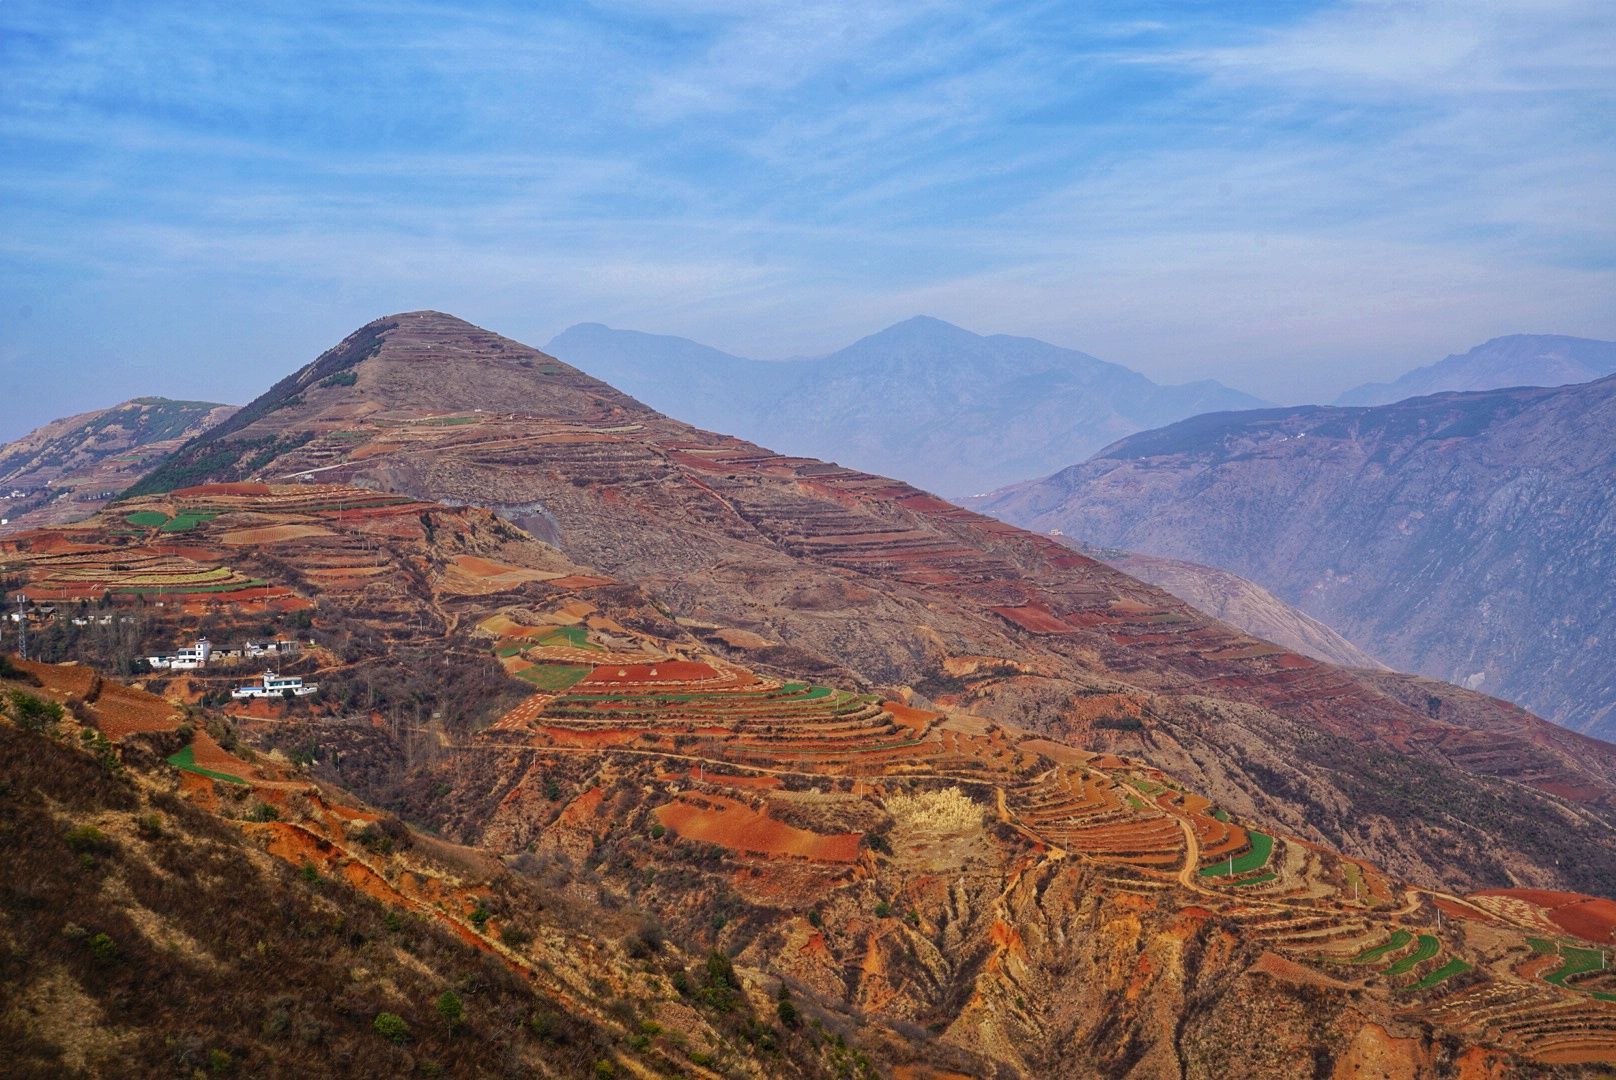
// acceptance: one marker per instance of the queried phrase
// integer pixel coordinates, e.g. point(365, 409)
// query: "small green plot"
point(575, 636)
point(1575, 962)
point(186, 760)
point(1427, 949)
point(1441, 974)
point(147, 519)
point(1398, 939)
point(1262, 848)
point(1221, 814)
point(1261, 879)
point(190, 519)
point(554, 677)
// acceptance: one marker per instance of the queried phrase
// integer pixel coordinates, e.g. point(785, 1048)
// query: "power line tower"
point(22, 625)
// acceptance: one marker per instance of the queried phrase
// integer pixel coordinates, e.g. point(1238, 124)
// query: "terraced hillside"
point(799, 567)
point(931, 868)
point(300, 932)
point(950, 891)
point(69, 468)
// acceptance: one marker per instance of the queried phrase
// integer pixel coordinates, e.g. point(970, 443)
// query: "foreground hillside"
point(221, 912)
point(1469, 537)
point(944, 408)
point(939, 893)
point(1516, 360)
point(68, 468)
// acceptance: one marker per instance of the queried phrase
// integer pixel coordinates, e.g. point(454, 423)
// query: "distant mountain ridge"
point(65, 469)
point(1515, 360)
point(1466, 536)
point(945, 408)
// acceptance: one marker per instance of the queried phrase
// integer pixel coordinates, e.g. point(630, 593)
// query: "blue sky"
point(1291, 197)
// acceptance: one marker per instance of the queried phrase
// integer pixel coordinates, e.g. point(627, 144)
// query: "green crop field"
point(156, 519)
point(186, 760)
point(554, 677)
point(1427, 948)
point(1398, 939)
point(190, 519)
point(1262, 848)
point(1221, 814)
point(1260, 879)
point(575, 636)
point(1575, 961)
point(1446, 971)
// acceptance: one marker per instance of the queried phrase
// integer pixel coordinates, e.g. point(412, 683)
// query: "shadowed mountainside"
point(1469, 537)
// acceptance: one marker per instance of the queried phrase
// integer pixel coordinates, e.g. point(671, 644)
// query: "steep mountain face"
point(1240, 603)
point(804, 568)
point(65, 470)
point(879, 889)
point(945, 409)
point(1469, 537)
point(1516, 360)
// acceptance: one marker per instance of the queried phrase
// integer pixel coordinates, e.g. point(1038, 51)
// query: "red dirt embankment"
point(668, 671)
point(1591, 918)
point(734, 825)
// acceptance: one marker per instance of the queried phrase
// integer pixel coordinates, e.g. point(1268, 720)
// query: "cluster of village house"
point(268, 685)
point(202, 653)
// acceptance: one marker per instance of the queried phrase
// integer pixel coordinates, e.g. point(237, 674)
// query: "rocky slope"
point(66, 469)
point(1240, 603)
point(808, 569)
point(1516, 360)
point(938, 406)
point(1469, 537)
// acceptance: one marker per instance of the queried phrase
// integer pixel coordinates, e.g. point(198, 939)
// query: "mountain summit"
point(942, 407)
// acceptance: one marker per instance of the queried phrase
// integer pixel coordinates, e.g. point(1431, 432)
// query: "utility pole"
point(22, 625)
